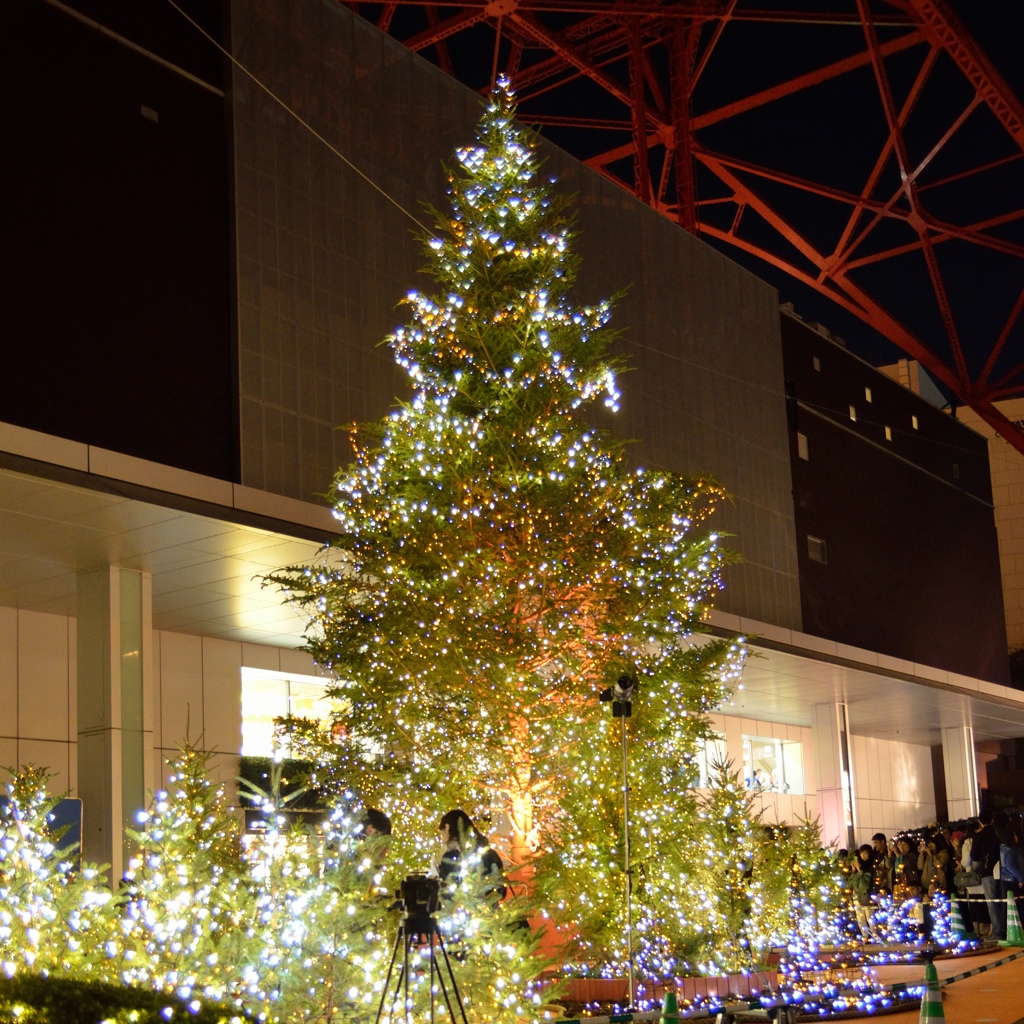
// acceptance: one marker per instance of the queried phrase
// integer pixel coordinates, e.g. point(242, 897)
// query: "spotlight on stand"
point(620, 696)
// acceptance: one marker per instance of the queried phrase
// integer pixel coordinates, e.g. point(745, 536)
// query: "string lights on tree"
point(500, 562)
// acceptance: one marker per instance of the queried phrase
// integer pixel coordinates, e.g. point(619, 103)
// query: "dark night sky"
point(832, 135)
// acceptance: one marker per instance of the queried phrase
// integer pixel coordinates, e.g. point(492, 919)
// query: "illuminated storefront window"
point(772, 766)
point(712, 752)
point(267, 696)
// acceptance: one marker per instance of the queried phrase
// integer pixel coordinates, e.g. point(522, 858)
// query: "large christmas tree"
point(500, 562)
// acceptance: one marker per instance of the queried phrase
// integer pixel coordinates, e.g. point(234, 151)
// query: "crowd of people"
point(977, 864)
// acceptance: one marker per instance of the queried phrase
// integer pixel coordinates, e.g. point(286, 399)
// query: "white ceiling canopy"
point(207, 561)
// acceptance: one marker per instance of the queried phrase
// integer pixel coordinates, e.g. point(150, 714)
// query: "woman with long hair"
point(467, 853)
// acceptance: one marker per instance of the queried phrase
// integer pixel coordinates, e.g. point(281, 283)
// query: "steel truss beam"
point(647, 58)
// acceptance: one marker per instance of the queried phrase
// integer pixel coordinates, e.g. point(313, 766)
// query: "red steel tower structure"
point(867, 148)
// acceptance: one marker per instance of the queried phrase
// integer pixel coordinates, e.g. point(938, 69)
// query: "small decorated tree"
point(188, 910)
point(55, 915)
point(725, 842)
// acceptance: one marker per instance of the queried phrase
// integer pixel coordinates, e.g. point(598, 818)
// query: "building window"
point(913, 422)
point(867, 394)
point(773, 766)
point(853, 413)
point(801, 447)
point(888, 433)
point(267, 696)
point(816, 550)
point(710, 754)
point(817, 363)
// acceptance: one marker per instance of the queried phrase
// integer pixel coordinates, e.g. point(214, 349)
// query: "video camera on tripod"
point(419, 900)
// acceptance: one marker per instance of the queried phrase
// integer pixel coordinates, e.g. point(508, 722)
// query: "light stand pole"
point(629, 871)
point(621, 697)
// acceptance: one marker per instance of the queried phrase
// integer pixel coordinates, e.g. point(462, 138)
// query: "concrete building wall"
point(1008, 497)
point(893, 786)
point(324, 255)
point(197, 691)
point(38, 694)
point(898, 549)
point(892, 781)
point(118, 305)
point(197, 694)
point(776, 808)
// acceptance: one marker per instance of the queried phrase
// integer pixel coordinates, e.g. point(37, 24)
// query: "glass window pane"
point(267, 696)
point(793, 767)
point(307, 699)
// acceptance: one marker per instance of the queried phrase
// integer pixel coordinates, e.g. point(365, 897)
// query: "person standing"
point(906, 877)
point(375, 823)
point(885, 857)
point(985, 858)
point(467, 852)
point(862, 884)
point(975, 893)
point(1011, 864)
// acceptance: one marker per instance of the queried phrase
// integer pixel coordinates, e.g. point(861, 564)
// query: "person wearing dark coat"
point(905, 876)
point(466, 848)
point(862, 884)
point(985, 856)
point(885, 857)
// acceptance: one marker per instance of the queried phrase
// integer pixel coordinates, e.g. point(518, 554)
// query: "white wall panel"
point(222, 696)
point(874, 776)
point(9, 675)
point(898, 792)
point(73, 691)
point(8, 756)
point(54, 756)
point(43, 677)
point(299, 663)
point(266, 658)
point(181, 689)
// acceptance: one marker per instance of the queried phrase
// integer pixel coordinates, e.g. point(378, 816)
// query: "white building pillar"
point(961, 771)
point(830, 733)
point(115, 705)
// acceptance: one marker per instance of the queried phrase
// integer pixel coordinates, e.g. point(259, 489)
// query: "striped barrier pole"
point(981, 970)
point(904, 986)
point(628, 1018)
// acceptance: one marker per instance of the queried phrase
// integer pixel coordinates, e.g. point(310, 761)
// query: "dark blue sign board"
point(67, 815)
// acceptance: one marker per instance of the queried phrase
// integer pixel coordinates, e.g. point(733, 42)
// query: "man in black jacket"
point(985, 854)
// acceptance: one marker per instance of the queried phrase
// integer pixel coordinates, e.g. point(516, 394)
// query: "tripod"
point(418, 927)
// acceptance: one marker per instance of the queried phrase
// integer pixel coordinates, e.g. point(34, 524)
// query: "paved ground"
point(994, 997)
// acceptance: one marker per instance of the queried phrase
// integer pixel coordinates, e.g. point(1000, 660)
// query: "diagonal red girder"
point(646, 64)
point(941, 24)
point(909, 188)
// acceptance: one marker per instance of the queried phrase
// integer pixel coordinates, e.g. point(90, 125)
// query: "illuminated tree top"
point(499, 562)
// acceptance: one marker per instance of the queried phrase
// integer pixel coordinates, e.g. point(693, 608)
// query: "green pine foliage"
point(187, 906)
point(54, 913)
point(727, 839)
point(819, 898)
point(321, 925)
point(499, 562)
point(41, 999)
